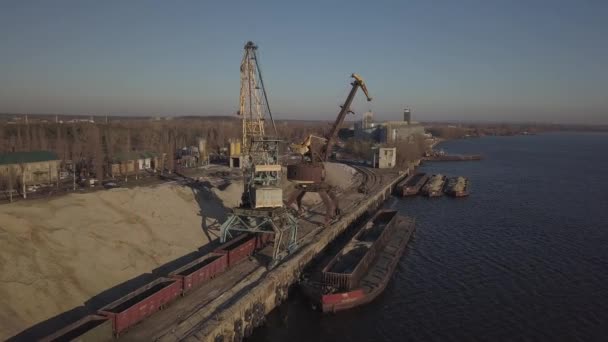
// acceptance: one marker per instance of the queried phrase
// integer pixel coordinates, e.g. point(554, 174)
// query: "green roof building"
point(29, 168)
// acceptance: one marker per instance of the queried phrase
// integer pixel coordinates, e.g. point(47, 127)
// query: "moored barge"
point(411, 186)
point(360, 271)
point(434, 186)
point(457, 187)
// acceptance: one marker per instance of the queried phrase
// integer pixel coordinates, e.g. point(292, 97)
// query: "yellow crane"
point(303, 148)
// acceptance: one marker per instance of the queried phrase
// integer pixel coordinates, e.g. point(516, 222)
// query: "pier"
point(453, 157)
point(231, 305)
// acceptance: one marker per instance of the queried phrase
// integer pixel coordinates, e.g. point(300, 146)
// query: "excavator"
point(309, 174)
point(304, 148)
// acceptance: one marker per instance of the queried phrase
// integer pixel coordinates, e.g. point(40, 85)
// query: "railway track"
point(200, 305)
point(371, 180)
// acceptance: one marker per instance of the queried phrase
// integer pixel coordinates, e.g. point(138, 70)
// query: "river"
point(525, 257)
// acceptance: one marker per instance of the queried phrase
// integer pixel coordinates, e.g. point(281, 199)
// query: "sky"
point(543, 61)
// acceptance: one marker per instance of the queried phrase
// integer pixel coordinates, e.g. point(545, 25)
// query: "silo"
point(202, 147)
point(407, 116)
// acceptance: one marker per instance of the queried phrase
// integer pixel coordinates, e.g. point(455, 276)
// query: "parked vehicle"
point(33, 188)
point(110, 185)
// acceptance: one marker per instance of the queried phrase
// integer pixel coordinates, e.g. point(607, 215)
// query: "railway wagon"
point(141, 303)
point(238, 249)
point(91, 328)
point(200, 270)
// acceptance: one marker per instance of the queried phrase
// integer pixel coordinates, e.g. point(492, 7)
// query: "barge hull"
point(265, 293)
point(374, 283)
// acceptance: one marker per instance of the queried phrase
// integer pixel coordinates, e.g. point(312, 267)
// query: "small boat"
point(360, 270)
point(411, 185)
point(434, 186)
point(457, 187)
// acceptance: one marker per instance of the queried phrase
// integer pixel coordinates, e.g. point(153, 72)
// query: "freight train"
point(117, 317)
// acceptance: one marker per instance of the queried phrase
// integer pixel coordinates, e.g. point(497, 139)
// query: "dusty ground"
point(56, 254)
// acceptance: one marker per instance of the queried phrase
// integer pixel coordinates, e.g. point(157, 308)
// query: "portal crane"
point(262, 210)
point(357, 83)
point(310, 174)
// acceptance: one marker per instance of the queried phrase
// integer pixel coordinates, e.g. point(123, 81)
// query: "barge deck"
point(412, 185)
point(453, 157)
point(224, 295)
point(359, 270)
point(434, 186)
point(457, 187)
point(223, 310)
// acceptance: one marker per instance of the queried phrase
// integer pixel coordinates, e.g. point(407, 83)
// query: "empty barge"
point(411, 185)
point(360, 271)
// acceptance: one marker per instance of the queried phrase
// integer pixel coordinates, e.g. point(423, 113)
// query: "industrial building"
point(132, 162)
point(384, 157)
point(389, 131)
point(235, 154)
point(30, 168)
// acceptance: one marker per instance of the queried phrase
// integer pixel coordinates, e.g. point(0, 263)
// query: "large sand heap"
point(56, 254)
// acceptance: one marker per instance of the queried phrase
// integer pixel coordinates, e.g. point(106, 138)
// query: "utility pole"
point(23, 181)
point(10, 183)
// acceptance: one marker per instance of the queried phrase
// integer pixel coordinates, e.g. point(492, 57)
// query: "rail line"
point(182, 313)
point(371, 180)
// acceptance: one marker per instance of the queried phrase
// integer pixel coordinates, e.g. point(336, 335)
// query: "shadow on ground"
point(210, 207)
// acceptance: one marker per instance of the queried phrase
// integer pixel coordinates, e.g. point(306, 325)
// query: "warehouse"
point(29, 168)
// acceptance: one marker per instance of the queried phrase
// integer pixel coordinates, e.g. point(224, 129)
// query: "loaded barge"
point(360, 271)
point(411, 186)
point(434, 186)
point(457, 187)
point(453, 157)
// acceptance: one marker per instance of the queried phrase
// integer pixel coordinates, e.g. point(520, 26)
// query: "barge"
point(411, 186)
point(361, 270)
point(453, 157)
point(434, 186)
point(457, 187)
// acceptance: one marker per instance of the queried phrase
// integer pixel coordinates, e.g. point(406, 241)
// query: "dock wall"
point(263, 290)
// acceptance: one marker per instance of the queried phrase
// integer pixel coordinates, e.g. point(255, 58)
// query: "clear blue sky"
point(447, 60)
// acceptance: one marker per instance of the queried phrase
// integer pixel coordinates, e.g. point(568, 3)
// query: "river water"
point(525, 257)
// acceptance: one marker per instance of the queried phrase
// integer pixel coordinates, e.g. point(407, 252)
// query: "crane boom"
point(357, 83)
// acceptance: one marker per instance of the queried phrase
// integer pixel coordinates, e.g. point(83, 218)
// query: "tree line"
point(91, 146)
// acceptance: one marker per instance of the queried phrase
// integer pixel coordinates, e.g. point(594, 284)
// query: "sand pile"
point(338, 175)
point(57, 254)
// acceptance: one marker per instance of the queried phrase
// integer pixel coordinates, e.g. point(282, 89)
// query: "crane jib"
point(357, 83)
